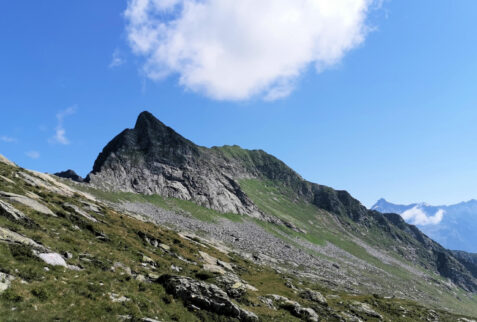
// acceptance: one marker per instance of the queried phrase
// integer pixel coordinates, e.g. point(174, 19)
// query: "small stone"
point(115, 298)
point(53, 259)
point(153, 276)
point(176, 268)
point(148, 260)
point(165, 247)
point(225, 265)
point(214, 269)
point(5, 281)
point(140, 278)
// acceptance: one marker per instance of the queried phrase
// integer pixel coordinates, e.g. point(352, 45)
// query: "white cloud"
point(233, 50)
point(8, 139)
point(117, 59)
point(417, 216)
point(60, 132)
point(33, 154)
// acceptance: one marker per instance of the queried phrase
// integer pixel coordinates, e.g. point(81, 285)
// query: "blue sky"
point(393, 117)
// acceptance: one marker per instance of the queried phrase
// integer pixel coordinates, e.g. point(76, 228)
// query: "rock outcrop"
point(6, 161)
point(5, 281)
point(204, 296)
point(33, 204)
point(11, 212)
point(9, 236)
point(153, 159)
point(69, 174)
point(304, 313)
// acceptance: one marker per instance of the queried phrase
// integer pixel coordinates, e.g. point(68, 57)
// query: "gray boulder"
point(33, 204)
point(314, 296)
point(11, 212)
point(204, 296)
point(365, 309)
point(304, 313)
point(5, 281)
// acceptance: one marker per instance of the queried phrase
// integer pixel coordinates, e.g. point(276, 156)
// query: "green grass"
point(277, 200)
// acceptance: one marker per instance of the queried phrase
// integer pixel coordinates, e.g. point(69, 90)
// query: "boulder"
point(33, 204)
point(53, 259)
point(12, 237)
point(205, 296)
point(304, 313)
point(5, 281)
point(79, 211)
point(225, 265)
point(365, 309)
point(314, 296)
point(11, 212)
point(233, 285)
point(207, 258)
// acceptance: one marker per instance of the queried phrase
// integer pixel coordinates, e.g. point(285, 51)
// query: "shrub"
point(10, 296)
point(21, 252)
point(41, 293)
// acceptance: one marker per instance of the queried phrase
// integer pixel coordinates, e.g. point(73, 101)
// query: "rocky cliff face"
point(152, 158)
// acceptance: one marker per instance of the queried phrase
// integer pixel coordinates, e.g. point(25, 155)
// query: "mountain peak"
point(69, 174)
point(146, 120)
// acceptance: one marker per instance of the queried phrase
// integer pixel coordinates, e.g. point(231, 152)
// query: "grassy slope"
point(62, 294)
point(272, 198)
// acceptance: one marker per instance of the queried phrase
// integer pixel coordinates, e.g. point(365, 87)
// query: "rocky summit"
point(165, 230)
point(152, 158)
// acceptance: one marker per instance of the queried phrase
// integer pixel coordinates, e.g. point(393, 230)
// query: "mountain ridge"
point(152, 158)
point(85, 259)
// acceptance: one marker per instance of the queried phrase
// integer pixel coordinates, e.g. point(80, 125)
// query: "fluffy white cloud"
point(417, 216)
point(235, 49)
point(60, 132)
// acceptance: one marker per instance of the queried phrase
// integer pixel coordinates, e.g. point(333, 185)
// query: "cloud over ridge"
point(234, 50)
point(417, 216)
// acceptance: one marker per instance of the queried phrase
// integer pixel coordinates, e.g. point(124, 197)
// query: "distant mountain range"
point(453, 226)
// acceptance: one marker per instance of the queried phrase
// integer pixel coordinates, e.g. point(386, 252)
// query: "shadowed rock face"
point(152, 158)
point(69, 174)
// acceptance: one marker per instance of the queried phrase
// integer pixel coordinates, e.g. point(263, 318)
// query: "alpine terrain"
point(165, 230)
